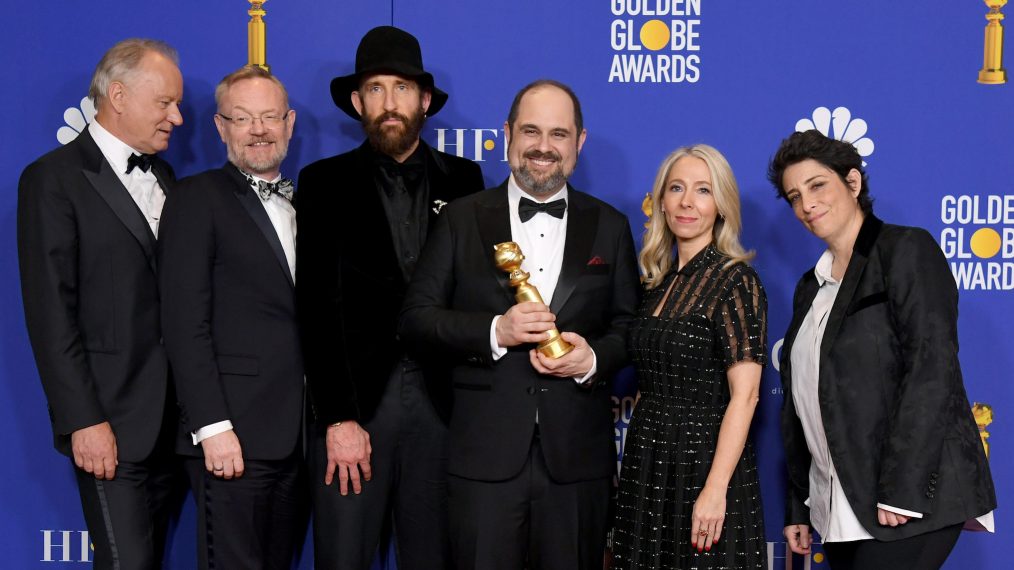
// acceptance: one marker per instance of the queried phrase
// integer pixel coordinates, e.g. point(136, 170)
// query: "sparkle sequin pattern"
point(712, 318)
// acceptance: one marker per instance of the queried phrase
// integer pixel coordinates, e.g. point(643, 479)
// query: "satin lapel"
point(582, 220)
point(164, 181)
point(369, 210)
point(253, 206)
point(109, 187)
point(799, 312)
point(438, 181)
point(853, 275)
point(493, 218)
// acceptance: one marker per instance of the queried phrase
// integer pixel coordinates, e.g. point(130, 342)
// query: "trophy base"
point(993, 76)
point(555, 348)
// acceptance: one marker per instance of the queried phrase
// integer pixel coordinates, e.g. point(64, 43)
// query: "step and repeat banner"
point(897, 79)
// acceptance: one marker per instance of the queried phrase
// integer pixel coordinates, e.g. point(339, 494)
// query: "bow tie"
point(528, 208)
point(264, 189)
point(142, 161)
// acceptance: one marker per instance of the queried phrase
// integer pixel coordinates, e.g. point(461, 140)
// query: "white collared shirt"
point(142, 186)
point(283, 218)
point(542, 240)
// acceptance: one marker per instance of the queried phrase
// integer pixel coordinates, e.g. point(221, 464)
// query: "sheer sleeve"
point(741, 319)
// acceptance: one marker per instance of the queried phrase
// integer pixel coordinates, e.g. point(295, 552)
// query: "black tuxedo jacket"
point(454, 295)
point(898, 422)
point(229, 315)
point(350, 285)
point(89, 285)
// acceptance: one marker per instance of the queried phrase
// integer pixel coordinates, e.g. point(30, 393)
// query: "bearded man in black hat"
point(379, 445)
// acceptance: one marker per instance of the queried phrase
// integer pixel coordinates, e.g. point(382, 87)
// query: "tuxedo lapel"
point(102, 178)
point(582, 220)
point(853, 275)
point(438, 179)
point(164, 181)
point(251, 202)
point(493, 218)
point(799, 312)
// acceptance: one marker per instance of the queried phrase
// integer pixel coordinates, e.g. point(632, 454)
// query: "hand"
point(223, 456)
point(708, 515)
point(524, 323)
point(574, 364)
point(798, 537)
point(887, 518)
point(94, 449)
point(348, 452)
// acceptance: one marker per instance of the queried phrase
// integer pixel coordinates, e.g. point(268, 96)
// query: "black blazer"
point(229, 314)
point(88, 281)
point(898, 423)
point(454, 295)
point(350, 285)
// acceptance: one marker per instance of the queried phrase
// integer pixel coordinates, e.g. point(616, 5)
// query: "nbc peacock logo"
point(839, 125)
point(77, 120)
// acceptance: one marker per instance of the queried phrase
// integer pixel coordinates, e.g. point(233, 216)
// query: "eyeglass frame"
point(265, 119)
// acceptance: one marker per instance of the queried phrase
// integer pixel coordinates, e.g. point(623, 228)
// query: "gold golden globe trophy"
point(508, 257)
point(257, 43)
point(992, 72)
point(983, 414)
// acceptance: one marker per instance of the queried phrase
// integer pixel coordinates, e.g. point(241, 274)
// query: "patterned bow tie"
point(528, 208)
point(142, 161)
point(264, 189)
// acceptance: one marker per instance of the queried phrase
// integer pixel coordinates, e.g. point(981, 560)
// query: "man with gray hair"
point(88, 220)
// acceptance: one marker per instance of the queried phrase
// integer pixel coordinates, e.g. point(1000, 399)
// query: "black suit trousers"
point(529, 521)
point(254, 522)
point(407, 493)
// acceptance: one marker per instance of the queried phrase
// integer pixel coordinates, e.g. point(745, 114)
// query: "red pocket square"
point(596, 261)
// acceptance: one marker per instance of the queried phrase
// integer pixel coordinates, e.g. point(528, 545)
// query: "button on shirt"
point(542, 241)
point(283, 219)
point(142, 186)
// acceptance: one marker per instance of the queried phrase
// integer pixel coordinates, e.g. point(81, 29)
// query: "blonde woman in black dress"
point(689, 495)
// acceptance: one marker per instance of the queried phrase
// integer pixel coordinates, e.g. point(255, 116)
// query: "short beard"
point(273, 163)
point(392, 141)
point(528, 181)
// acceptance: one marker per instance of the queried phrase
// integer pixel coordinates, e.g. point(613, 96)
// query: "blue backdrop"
point(897, 79)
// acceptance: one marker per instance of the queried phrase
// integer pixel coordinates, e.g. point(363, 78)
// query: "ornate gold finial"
point(983, 417)
point(992, 72)
point(257, 43)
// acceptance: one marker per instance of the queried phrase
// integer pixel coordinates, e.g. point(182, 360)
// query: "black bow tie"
point(528, 208)
point(142, 161)
point(283, 187)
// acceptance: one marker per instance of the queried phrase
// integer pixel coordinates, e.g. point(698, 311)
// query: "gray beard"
point(529, 182)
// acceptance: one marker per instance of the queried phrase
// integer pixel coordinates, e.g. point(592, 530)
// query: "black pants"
point(408, 490)
point(528, 521)
point(926, 551)
point(254, 522)
point(128, 516)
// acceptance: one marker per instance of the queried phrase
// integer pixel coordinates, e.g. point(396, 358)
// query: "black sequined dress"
point(713, 318)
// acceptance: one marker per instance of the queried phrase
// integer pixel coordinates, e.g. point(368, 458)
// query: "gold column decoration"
point(257, 43)
point(983, 414)
point(992, 72)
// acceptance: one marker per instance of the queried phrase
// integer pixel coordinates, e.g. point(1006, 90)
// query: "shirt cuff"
point(897, 511)
point(591, 372)
point(210, 430)
point(494, 347)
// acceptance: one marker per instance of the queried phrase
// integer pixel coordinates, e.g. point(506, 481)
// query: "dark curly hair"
point(839, 156)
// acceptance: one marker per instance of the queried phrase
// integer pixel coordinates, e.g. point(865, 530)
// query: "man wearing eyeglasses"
point(227, 253)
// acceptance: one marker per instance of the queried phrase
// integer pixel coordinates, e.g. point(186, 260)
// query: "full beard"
point(251, 165)
point(540, 186)
point(394, 141)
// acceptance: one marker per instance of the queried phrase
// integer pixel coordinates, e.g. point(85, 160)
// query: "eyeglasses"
point(269, 120)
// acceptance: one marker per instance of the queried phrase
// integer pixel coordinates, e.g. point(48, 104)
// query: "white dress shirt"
point(142, 186)
point(283, 219)
point(542, 240)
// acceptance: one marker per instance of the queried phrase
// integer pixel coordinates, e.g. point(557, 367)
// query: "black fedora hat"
point(391, 50)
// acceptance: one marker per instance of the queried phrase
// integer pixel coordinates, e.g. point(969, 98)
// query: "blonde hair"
point(242, 74)
point(657, 256)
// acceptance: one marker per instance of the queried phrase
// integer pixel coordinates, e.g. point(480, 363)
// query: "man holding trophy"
point(531, 438)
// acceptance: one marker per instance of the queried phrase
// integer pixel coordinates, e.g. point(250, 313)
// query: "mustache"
point(388, 116)
point(537, 154)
